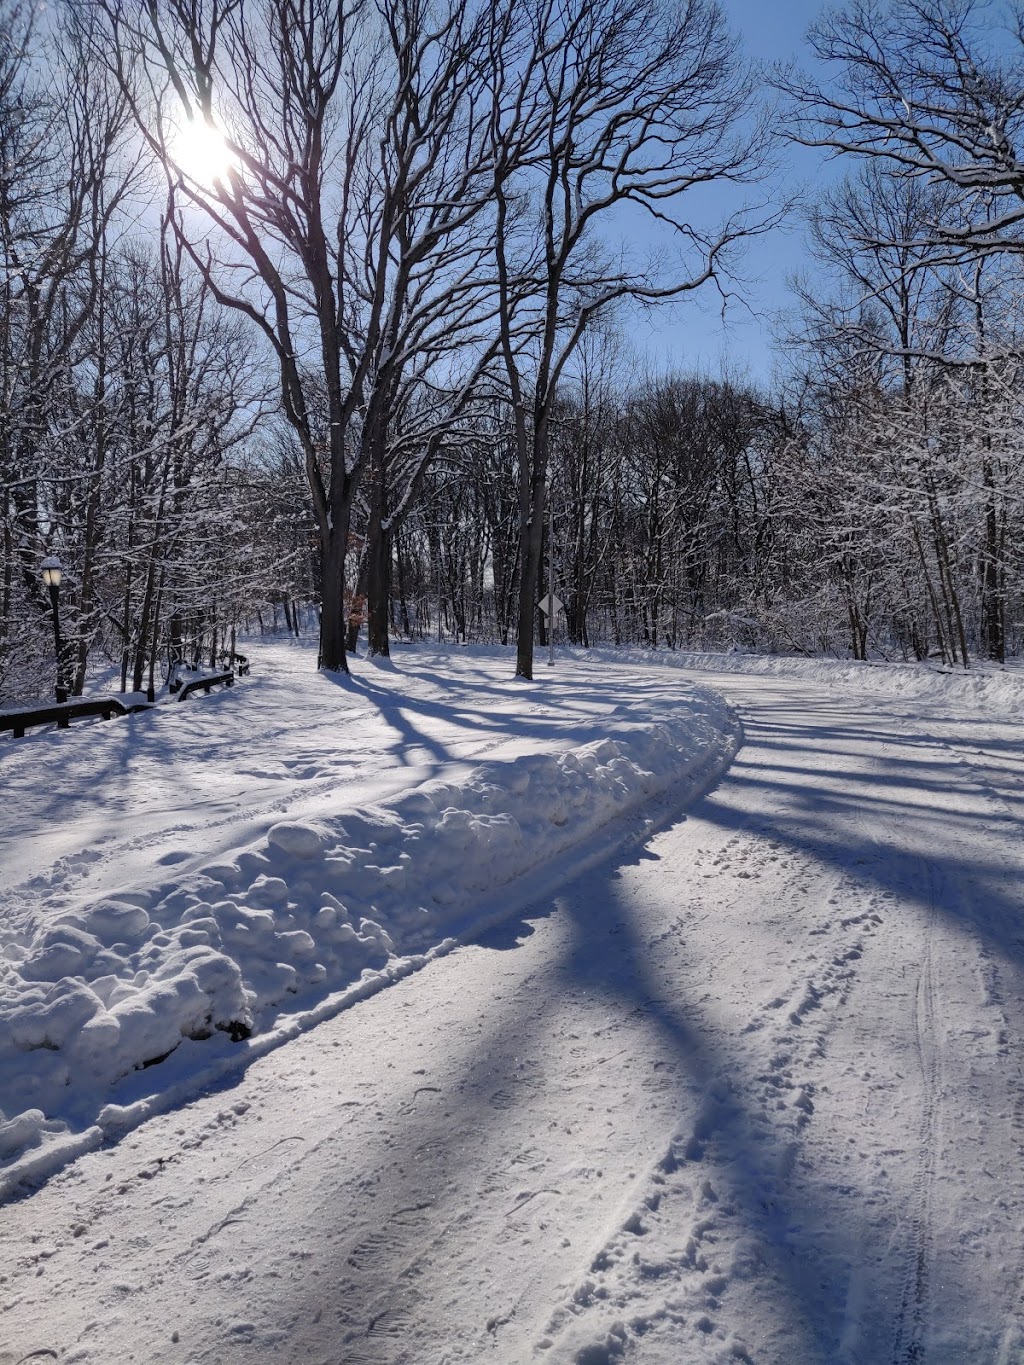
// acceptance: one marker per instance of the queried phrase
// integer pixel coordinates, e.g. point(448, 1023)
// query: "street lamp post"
point(52, 573)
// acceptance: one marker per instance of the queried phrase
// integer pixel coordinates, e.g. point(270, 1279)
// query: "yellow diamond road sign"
point(550, 604)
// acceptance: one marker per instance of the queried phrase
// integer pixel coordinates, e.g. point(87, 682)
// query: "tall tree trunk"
point(403, 600)
point(940, 633)
point(357, 606)
point(378, 562)
point(333, 544)
point(531, 540)
point(91, 545)
point(146, 623)
point(993, 606)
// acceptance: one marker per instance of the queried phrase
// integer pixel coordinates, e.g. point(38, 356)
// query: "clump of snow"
point(232, 949)
point(301, 841)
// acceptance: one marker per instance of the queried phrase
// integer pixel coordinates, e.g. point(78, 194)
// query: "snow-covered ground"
point(749, 1088)
point(165, 932)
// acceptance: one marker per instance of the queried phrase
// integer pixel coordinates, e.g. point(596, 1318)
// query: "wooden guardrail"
point(204, 684)
point(63, 713)
point(238, 662)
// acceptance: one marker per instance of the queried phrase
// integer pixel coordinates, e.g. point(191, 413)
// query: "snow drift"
point(987, 687)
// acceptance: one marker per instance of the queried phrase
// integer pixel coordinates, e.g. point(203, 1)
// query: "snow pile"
point(230, 950)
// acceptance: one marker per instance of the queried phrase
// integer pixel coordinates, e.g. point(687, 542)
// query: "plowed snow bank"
point(217, 962)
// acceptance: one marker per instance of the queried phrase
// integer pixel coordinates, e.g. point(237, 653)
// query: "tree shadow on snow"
point(730, 1134)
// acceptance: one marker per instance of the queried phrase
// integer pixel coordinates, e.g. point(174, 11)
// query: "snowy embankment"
point(218, 965)
point(983, 686)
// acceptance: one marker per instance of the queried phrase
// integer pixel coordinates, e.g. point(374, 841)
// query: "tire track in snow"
point(1008, 1050)
point(908, 1347)
point(689, 1233)
point(716, 1198)
point(976, 889)
point(962, 890)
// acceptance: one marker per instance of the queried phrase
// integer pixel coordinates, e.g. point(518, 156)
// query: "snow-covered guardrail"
point(204, 684)
point(63, 713)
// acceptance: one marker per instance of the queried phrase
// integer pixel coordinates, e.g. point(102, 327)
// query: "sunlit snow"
point(572, 1040)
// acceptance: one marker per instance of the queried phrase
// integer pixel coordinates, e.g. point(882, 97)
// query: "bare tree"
point(64, 172)
point(601, 109)
point(935, 90)
point(894, 299)
point(345, 212)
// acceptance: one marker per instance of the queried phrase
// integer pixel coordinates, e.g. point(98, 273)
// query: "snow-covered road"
point(754, 1093)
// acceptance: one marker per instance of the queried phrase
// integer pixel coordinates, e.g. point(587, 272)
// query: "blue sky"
point(693, 335)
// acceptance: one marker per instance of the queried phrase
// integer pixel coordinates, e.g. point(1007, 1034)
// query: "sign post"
point(551, 606)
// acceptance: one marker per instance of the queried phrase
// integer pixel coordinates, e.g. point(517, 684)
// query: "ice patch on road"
point(229, 953)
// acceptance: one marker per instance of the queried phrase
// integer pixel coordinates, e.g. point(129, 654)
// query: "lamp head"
point(52, 571)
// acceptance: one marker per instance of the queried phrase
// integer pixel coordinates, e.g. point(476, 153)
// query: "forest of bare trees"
point(354, 360)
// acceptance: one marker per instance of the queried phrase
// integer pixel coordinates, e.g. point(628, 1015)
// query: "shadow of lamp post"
point(52, 573)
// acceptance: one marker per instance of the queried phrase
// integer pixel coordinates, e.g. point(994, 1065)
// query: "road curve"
point(754, 1093)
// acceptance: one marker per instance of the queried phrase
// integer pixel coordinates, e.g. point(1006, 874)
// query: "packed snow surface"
point(747, 1087)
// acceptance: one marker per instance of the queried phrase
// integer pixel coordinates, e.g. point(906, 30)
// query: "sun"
point(200, 152)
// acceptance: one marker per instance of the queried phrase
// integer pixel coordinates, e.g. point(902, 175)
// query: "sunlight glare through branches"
point(199, 151)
